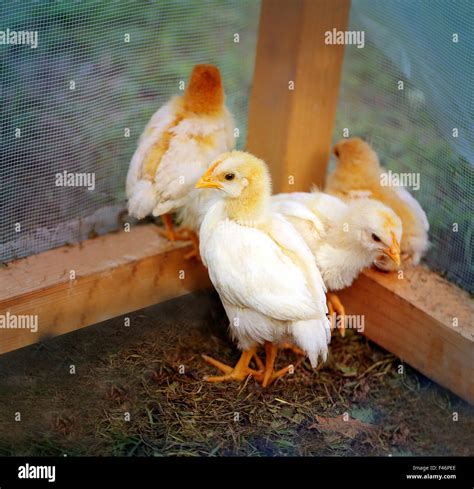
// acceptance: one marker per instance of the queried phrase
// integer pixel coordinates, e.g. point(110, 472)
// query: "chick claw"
point(194, 253)
point(183, 234)
point(335, 309)
point(241, 370)
point(169, 232)
point(286, 345)
point(271, 351)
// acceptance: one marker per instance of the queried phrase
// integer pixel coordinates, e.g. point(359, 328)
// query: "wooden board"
point(423, 319)
point(292, 129)
point(114, 274)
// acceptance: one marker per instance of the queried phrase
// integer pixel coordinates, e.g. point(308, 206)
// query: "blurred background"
point(118, 85)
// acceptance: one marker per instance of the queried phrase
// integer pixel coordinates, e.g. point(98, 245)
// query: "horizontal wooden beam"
point(76, 286)
point(421, 318)
point(295, 89)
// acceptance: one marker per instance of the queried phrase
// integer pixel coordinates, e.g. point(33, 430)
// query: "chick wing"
point(271, 271)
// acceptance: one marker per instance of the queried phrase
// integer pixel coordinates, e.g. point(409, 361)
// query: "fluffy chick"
point(344, 237)
point(176, 147)
point(262, 269)
point(358, 173)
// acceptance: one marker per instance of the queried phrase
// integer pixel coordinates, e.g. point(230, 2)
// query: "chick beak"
point(206, 181)
point(394, 251)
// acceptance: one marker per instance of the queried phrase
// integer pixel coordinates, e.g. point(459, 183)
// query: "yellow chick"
point(344, 237)
point(264, 272)
point(358, 174)
point(176, 147)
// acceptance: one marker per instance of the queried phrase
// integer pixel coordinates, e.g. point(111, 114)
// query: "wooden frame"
point(72, 287)
point(423, 319)
point(295, 89)
point(75, 286)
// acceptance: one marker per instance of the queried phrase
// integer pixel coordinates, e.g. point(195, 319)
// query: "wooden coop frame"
point(423, 319)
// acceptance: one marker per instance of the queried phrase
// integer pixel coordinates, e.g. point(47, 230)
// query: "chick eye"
point(229, 176)
point(376, 238)
point(336, 152)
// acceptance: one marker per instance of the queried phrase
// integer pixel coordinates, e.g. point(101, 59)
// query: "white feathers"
point(339, 234)
point(250, 269)
point(312, 337)
point(138, 186)
point(267, 280)
point(142, 199)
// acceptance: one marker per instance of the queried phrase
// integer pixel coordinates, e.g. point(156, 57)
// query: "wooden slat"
point(115, 274)
point(414, 318)
point(292, 129)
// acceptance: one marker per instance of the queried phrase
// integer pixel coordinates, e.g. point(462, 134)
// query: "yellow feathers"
point(245, 178)
point(358, 174)
point(157, 150)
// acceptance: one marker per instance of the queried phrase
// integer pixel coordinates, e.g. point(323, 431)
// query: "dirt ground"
point(138, 390)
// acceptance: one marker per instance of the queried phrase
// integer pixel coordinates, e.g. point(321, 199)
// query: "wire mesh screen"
point(409, 91)
point(78, 82)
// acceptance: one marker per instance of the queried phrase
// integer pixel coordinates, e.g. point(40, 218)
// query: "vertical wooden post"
point(295, 89)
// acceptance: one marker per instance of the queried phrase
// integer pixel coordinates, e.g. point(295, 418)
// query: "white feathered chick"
point(344, 237)
point(264, 272)
point(358, 173)
point(176, 147)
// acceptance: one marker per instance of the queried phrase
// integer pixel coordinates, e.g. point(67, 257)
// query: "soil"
point(113, 389)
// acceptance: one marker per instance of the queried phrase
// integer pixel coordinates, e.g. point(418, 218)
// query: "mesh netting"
point(413, 125)
point(78, 102)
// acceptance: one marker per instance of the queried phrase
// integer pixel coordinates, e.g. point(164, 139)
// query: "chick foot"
point(194, 253)
point(270, 375)
point(336, 309)
point(241, 370)
point(286, 345)
point(170, 232)
point(183, 234)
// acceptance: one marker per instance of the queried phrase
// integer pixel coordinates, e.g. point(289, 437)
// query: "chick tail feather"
point(142, 199)
point(313, 337)
point(205, 92)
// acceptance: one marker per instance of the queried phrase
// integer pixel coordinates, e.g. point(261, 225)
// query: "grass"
point(139, 370)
